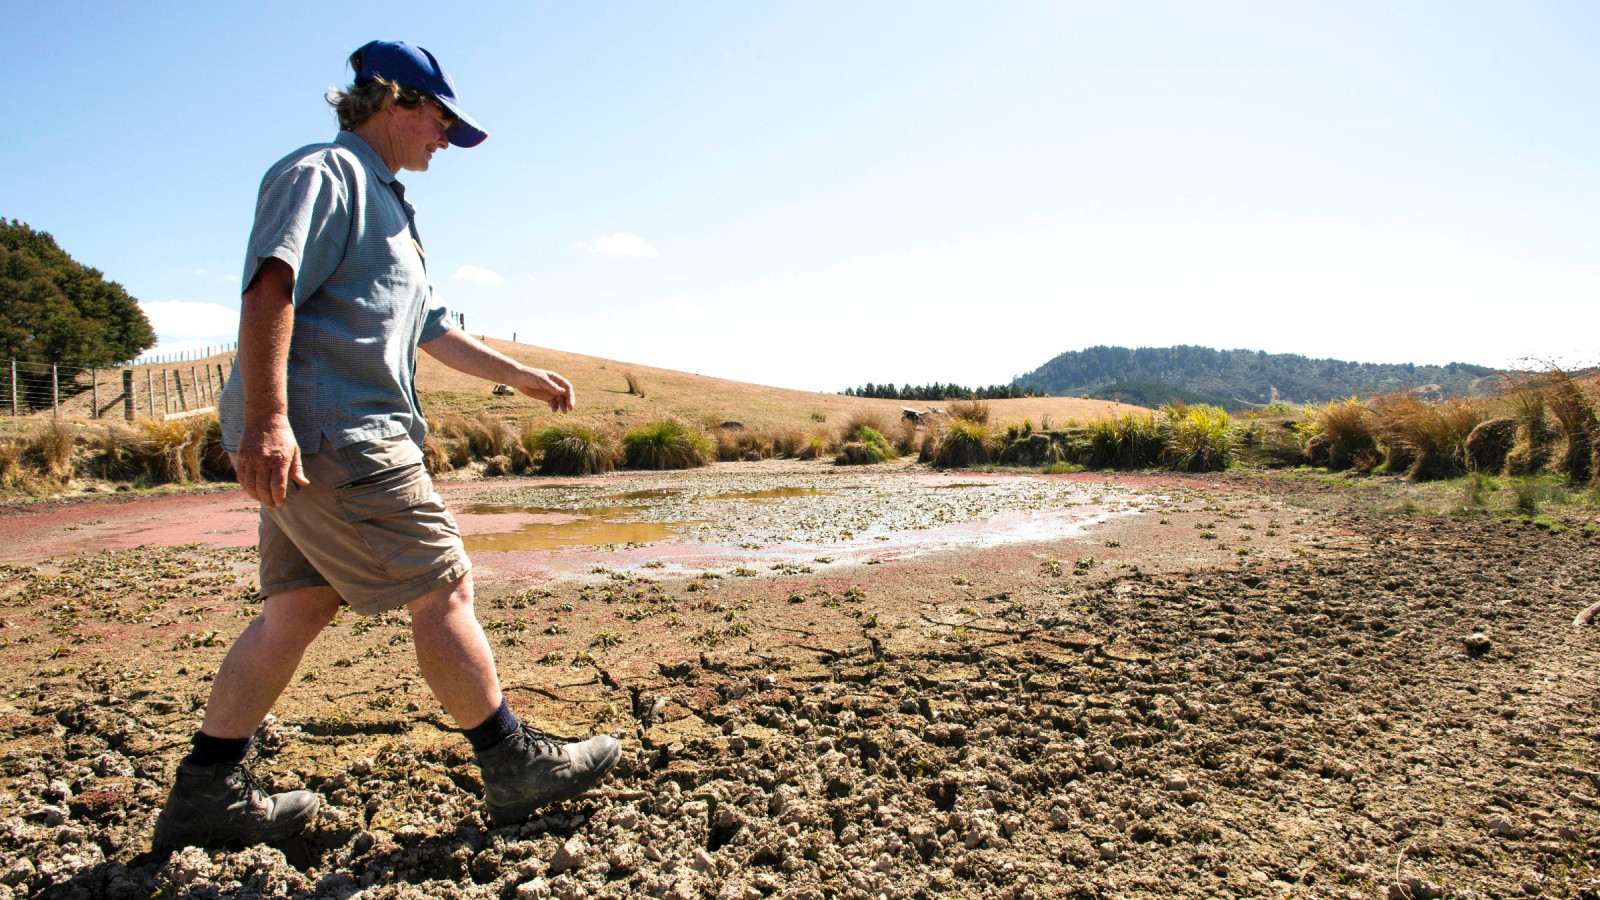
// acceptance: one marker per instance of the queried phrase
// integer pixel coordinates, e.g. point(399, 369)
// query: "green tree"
point(53, 309)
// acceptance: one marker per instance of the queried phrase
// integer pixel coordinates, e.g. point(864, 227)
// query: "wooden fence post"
point(13, 385)
point(183, 401)
point(199, 395)
point(127, 394)
point(55, 393)
point(222, 381)
point(166, 395)
point(94, 376)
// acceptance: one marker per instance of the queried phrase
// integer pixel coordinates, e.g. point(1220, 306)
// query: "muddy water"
point(692, 520)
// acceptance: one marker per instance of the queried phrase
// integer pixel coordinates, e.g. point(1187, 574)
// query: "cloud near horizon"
point(479, 276)
point(621, 244)
point(187, 319)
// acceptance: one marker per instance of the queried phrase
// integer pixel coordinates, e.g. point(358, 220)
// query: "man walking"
point(322, 419)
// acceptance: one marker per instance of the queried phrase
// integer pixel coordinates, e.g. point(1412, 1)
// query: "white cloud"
point(478, 276)
point(176, 320)
point(623, 244)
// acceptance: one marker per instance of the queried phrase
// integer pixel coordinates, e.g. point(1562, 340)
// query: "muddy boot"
point(223, 804)
point(528, 770)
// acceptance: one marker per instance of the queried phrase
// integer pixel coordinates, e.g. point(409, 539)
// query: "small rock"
point(1108, 851)
point(18, 872)
point(569, 855)
point(1059, 817)
point(1500, 826)
point(1355, 872)
point(536, 889)
point(109, 764)
point(361, 767)
point(57, 792)
point(1477, 643)
point(1176, 782)
point(703, 862)
point(626, 818)
point(51, 816)
point(1105, 762)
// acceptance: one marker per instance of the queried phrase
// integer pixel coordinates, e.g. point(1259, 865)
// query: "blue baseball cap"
point(414, 67)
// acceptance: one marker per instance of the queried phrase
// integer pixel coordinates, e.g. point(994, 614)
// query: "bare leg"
point(454, 655)
point(261, 662)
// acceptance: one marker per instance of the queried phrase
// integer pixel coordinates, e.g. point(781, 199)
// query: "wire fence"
point(164, 390)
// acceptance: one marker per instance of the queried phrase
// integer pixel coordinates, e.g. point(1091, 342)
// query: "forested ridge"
point(1241, 376)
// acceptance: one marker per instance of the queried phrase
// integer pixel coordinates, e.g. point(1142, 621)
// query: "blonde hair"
point(360, 102)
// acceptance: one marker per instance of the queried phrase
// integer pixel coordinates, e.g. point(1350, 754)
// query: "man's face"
point(421, 131)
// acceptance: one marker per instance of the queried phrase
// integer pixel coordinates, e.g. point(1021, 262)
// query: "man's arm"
point(464, 353)
point(268, 453)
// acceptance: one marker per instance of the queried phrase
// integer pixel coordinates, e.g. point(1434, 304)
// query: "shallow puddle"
point(855, 518)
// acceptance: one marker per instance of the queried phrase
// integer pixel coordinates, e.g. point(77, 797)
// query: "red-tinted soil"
point(1237, 688)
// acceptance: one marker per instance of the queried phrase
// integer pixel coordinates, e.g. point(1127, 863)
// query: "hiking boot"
point(223, 804)
point(528, 770)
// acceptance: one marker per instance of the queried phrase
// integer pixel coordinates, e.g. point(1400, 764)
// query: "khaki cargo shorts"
point(370, 525)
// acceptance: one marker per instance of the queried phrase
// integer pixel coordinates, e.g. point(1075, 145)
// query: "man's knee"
point(445, 601)
point(300, 615)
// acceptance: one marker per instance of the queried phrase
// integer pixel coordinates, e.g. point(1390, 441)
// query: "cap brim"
point(465, 132)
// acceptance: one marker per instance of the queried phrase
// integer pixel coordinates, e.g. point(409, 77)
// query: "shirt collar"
point(350, 141)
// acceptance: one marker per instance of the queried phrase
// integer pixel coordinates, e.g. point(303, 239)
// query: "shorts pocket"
point(385, 493)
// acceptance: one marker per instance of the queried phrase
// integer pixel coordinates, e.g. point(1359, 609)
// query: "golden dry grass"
point(602, 390)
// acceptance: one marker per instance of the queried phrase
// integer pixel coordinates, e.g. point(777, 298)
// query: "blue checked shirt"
point(362, 298)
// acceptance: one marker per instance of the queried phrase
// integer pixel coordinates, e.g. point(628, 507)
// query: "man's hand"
point(268, 457)
point(464, 353)
point(549, 387)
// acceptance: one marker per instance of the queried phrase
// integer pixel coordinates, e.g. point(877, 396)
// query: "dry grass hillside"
point(602, 389)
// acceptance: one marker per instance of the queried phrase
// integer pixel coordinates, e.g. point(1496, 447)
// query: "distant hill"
point(1236, 378)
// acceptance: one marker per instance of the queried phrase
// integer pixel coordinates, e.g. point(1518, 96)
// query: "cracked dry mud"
point(1359, 705)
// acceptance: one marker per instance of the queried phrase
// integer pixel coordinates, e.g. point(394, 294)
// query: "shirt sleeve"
point(437, 319)
point(302, 218)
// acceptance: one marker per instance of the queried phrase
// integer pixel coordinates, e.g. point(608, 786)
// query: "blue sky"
point(818, 195)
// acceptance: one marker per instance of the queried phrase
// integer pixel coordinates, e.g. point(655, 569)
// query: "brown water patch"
point(773, 494)
point(581, 528)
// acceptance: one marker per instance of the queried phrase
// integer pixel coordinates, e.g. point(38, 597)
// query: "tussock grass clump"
point(970, 411)
point(435, 456)
point(1342, 435)
point(480, 435)
point(1428, 439)
point(214, 460)
point(1026, 447)
point(574, 450)
point(788, 442)
point(1531, 450)
point(496, 466)
point(1490, 443)
point(866, 446)
point(13, 476)
point(740, 444)
point(1574, 412)
point(1128, 441)
point(53, 446)
point(860, 419)
point(965, 443)
point(1199, 438)
point(172, 449)
point(815, 448)
point(635, 383)
point(904, 437)
point(666, 444)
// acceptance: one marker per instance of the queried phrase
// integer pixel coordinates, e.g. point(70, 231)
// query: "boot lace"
point(540, 741)
point(247, 780)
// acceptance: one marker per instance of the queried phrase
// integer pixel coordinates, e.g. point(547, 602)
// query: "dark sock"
point(500, 725)
point(210, 751)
